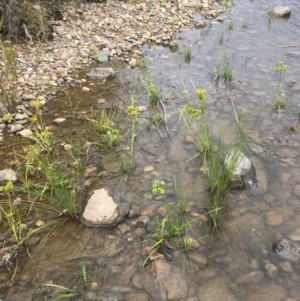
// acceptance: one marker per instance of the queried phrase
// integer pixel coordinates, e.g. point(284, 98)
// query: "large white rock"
point(281, 12)
point(244, 171)
point(102, 211)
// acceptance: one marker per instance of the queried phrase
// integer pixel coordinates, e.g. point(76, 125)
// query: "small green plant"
point(143, 64)
point(163, 4)
point(154, 93)
point(8, 118)
point(280, 101)
point(245, 25)
point(223, 70)
point(230, 25)
point(221, 39)
point(67, 294)
point(158, 187)
point(187, 53)
point(84, 272)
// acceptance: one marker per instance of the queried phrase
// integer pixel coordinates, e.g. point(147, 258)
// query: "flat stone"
point(8, 175)
point(281, 12)
point(123, 228)
point(101, 73)
point(27, 97)
point(16, 128)
point(20, 116)
point(59, 121)
point(59, 29)
point(253, 277)
point(274, 218)
point(102, 211)
point(27, 133)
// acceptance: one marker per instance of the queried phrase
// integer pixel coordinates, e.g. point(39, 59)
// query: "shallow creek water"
point(243, 245)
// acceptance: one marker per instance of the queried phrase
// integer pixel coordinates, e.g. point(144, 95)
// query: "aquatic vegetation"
point(153, 90)
point(230, 25)
point(84, 272)
point(218, 173)
point(158, 187)
point(280, 100)
point(245, 25)
point(223, 71)
point(187, 53)
point(221, 39)
point(143, 64)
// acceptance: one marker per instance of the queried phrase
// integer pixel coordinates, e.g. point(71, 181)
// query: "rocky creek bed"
point(239, 263)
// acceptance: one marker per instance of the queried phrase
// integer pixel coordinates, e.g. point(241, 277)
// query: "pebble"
point(148, 168)
point(271, 270)
point(27, 133)
point(142, 221)
point(59, 121)
point(16, 128)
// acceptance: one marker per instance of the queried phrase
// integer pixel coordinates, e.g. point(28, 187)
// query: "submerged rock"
point(164, 281)
point(287, 250)
point(244, 173)
point(102, 211)
point(215, 289)
point(101, 73)
point(281, 12)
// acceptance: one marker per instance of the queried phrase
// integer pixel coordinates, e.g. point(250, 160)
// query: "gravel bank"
point(99, 32)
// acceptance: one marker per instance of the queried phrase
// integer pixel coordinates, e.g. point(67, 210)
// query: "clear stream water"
point(113, 259)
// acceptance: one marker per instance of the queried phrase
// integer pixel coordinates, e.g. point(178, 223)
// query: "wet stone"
point(142, 221)
point(123, 228)
point(271, 270)
point(102, 211)
point(244, 171)
point(27, 133)
point(101, 73)
point(16, 128)
point(164, 281)
point(281, 12)
point(59, 121)
point(253, 277)
point(287, 250)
